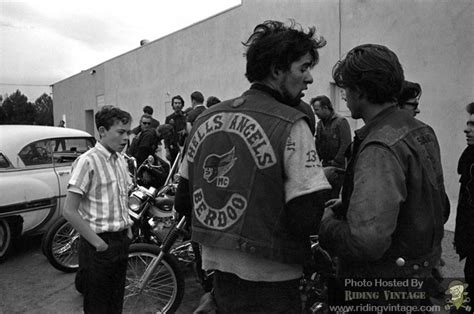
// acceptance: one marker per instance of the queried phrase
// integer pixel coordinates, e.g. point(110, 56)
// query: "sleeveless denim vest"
point(236, 176)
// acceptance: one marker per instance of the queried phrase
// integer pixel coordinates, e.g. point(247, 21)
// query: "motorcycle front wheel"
point(165, 289)
point(60, 246)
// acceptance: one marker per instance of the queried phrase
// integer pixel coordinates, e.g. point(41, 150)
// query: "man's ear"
point(102, 130)
point(275, 71)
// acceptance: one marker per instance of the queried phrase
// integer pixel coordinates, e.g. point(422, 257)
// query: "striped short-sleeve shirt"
point(102, 179)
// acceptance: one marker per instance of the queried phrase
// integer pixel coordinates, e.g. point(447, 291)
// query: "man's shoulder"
point(171, 116)
point(154, 123)
point(84, 160)
point(195, 112)
point(338, 118)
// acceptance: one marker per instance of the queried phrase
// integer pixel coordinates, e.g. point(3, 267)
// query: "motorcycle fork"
point(165, 248)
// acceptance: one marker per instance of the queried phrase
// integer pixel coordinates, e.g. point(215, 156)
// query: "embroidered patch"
point(239, 124)
point(218, 218)
point(216, 166)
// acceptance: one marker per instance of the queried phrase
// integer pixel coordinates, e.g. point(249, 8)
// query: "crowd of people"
point(258, 177)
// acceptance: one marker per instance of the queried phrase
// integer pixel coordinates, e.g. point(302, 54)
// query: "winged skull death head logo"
point(216, 166)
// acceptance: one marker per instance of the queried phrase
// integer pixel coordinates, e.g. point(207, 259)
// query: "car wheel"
point(5, 238)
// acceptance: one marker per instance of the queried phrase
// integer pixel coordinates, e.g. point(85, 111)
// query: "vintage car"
point(35, 166)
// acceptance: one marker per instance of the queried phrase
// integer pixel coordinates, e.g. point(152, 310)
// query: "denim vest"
point(420, 221)
point(236, 176)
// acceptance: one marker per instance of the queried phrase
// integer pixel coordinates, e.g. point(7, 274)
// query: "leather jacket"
point(464, 231)
point(404, 220)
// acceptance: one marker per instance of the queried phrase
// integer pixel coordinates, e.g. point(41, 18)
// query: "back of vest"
point(235, 158)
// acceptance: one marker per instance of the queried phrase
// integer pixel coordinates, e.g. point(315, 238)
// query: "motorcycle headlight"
point(135, 200)
point(134, 203)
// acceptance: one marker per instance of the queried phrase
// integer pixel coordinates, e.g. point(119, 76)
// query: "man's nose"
point(309, 78)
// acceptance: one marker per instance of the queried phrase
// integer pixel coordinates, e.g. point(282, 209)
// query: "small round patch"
point(238, 102)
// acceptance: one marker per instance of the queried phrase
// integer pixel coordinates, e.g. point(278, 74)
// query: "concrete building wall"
point(434, 40)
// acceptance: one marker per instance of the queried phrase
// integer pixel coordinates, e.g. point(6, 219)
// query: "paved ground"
point(29, 284)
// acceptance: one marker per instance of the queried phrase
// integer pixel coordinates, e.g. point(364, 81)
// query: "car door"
point(65, 151)
point(34, 187)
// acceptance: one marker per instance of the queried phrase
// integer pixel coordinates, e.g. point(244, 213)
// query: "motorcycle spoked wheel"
point(165, 290)
point(60, 245)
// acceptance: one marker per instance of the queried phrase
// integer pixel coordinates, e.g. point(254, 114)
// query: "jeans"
point(101, 275)
point(235, 295)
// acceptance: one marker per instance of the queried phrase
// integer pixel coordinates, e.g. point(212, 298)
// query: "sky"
point(45, 41)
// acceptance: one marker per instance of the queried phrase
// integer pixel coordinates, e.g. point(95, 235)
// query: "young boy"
point(96, 206)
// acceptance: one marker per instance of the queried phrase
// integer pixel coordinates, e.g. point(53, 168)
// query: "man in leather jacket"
point(464, 231)
point(389, 225)
point(178, 121)
point(253, 179)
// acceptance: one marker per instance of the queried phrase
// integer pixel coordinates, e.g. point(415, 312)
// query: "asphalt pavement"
point(29, 284)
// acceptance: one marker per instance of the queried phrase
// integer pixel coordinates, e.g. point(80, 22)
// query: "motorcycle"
point(164, 287)
point(154, 280)
point(317, 272)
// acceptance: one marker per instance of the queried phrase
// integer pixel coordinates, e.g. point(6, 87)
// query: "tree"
point(44, 110)
point(3, 114)
point(18, 110)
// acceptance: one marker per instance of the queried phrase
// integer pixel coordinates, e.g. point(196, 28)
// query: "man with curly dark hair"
point(254, 179)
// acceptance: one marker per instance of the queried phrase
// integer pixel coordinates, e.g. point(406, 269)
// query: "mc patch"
point(216, 166)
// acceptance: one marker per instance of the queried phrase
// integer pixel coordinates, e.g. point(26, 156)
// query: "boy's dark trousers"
point(102, 274)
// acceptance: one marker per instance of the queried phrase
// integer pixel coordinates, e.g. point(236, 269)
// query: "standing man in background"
point(154, 123)
point(464, 231)
point(333, 136)
point(178, 121)
point(409, 98)
point(197, 103)
point(252, 180)
point(146, 141)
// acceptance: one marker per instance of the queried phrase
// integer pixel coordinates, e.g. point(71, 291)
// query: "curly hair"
point(177, 97)
point(107, 116)
point(274, 44)
point(374, 70)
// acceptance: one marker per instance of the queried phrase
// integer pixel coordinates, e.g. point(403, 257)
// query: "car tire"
point(5, 239)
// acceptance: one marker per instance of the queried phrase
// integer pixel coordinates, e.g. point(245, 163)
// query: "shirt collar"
point(106, 152)
point(362, 133)
point(274, 93)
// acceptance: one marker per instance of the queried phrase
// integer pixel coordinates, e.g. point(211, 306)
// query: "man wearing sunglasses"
point(409, 97)
point(144, 144)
